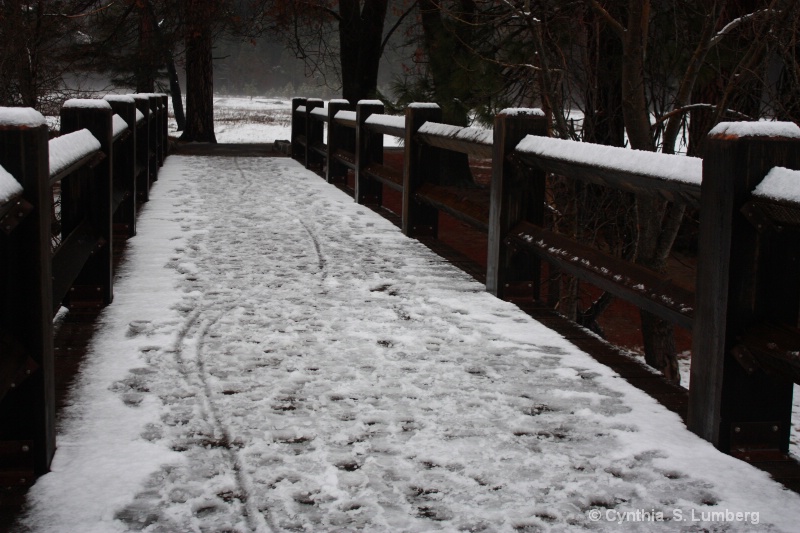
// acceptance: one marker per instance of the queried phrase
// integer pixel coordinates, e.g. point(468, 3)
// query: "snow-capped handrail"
point(71, 151)
point(777, 197)
point(346, 118)
point(476, 142)
point(119, 127)
point(387, 124)
point(675, 177)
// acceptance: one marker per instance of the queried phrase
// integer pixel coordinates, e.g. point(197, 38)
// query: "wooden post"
point(516, 196)
point(728, 405)
point(369, 149)
point(144, 165)
point(27, 405)
point(125, 167)
point(339, 138)
point(156, 142)
point(420, 164)
point(298, 129)
point(315, 131)
point(164, 127)
point(95, 284)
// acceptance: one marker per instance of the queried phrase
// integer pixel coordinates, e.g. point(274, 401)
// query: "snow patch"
point(780, 184)
point(26, 117)
point(9, 187)
point(86, 103)
point(475, 135)
point(522, 111)
point(118, 125)
point(70, 148)
point(788, 130)
point(391, 121)
point(662, 166)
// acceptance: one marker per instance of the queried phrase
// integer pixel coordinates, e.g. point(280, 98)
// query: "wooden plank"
point(773, 348)
point(389, 176)
point(468, 141)
point(386, 129)
point(339, 138)
point(671, 190)
point(71, 257)
point(13, 212)
point(319, 148)
point(89, 160)
point(644, 288)
point(468, 205)
point(15, 365)
point(348, 159)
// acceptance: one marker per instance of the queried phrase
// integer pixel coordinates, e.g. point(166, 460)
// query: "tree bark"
point(199, 73)
point(360, 38)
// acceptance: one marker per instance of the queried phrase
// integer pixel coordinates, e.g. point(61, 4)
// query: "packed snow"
point(11, 117)
point(781, 184)
point(279, 358)
point(9, 187)
point(118, 125)
point(658, 165)
point(70, 148)
point(86, 103)
point(476, 135)
point(762, 128)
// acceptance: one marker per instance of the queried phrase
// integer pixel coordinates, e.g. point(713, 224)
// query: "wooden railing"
point(745, 310)
point(63, 204)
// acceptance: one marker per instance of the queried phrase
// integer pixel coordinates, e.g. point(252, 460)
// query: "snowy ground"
point(278, 358)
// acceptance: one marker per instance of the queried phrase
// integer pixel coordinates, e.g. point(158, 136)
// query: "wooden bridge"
point(744, 312)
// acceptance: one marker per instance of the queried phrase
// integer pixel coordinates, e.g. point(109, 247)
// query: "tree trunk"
point(199, 73)
point(440, 47)
point(360, 36)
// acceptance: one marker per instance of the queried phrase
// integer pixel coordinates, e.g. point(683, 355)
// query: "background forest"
point(653, 76)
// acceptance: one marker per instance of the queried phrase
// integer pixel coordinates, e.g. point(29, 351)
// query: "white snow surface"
point(391, 121)
point(27, 117)
point(86, 103)
point(126, 98)
point(476, 135)
point(780, 184)
point(348, 115)
point(118, 125)
point(70, 148)
point(9, 187)
point(657, 165)
point(761, 128)
point(519, 111)
point(279, 358)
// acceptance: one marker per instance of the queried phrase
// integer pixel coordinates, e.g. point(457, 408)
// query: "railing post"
point(156, 145)
point(516, 196)
point(339, 138)
point(164, 127)
point(315, 132)
point(729, 405)
point(27, 405)
point(298, 129)
point(95, 283)
point(125, 167)
point(145, 167)
point(420, 164)
point(369, 149)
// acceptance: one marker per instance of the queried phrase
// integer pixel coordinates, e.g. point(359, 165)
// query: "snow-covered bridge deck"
point(279, 358)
